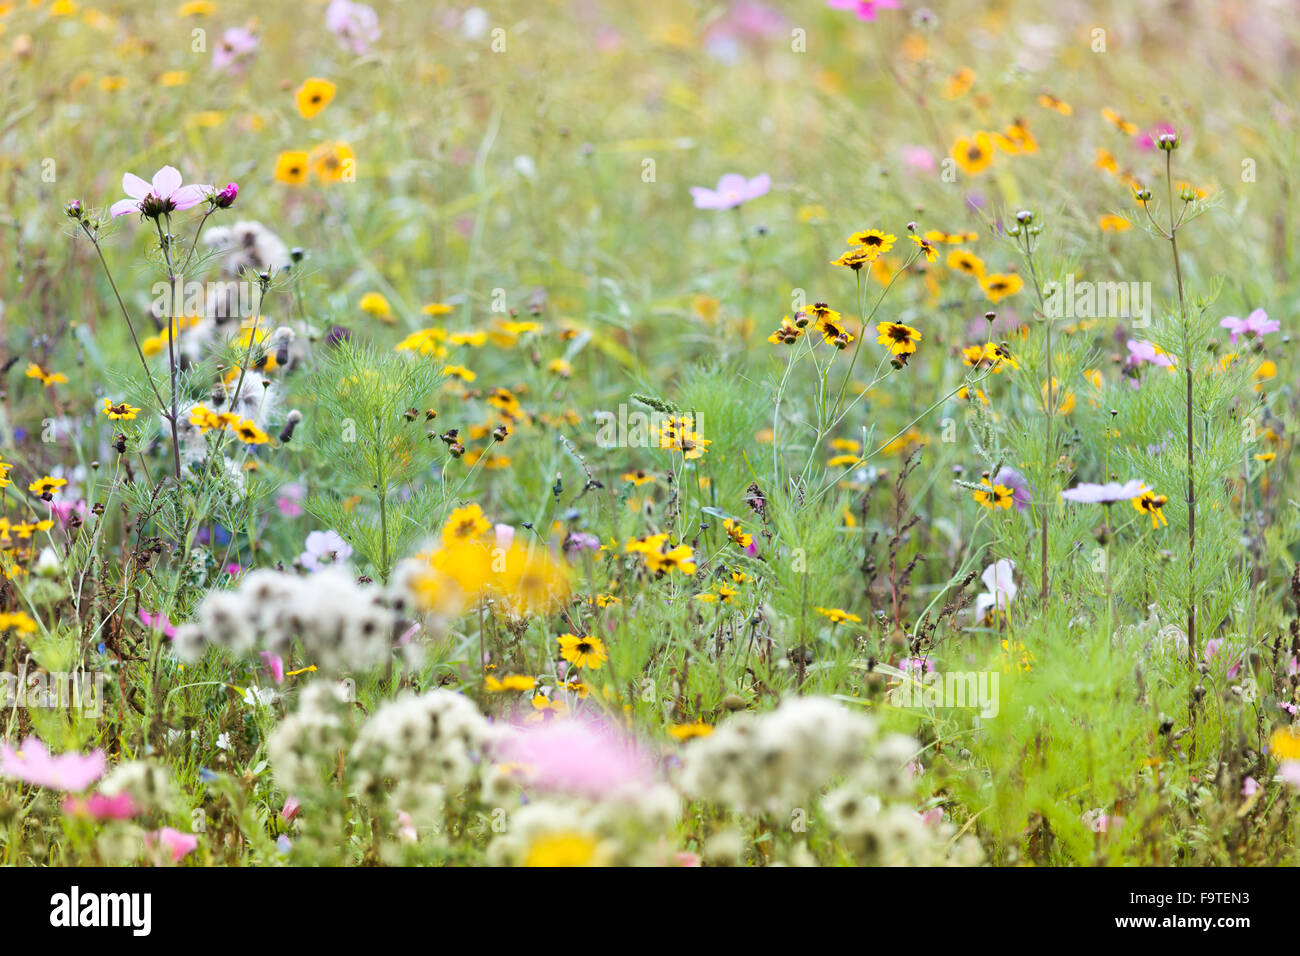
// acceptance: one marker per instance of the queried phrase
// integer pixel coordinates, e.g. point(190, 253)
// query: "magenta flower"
point(355, 24)
point(99, 807)
point(157, 621)
point(289, 501)
point(733, 190)
point(865, 9)
point(225, 198)
point(274, 665)
point(32, 763)
point(1106, 494)
point(1256, 324)
point(237, 46)
point(578, 756)
point(290, 809)
point(164, 195)
point(1215, 648)
point(919, 159)
point(178, 844)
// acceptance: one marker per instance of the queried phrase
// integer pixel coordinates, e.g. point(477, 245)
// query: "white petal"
point(166, 181)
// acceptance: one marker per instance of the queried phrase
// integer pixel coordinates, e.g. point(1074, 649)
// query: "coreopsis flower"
point(733, 190)
point(121, 412)
point(17, 620)
point(1150, 503)
point(901, 339)
point(876, 243)
point(960, 260)
point(837, 615)
point(992, 355)
point(1113, 223)
point(511, 682)
point(47, 378)
point(313, 96)
point(334, 162)
point(787, 334)
point(997, 286)
point(1257, 324)
point(680, 558)
point(160, 197)
point(292, 166)
point(246, 430)
point(204, 419)
point(1119, 122)
point(678, 434)
point(465, 524)
point(376, 306)
point(994, 496)
point(1016, 139)
point(1048, 101)
point(586, 653)
point(424, 342)
point(959, 84)
point(437, 308)
point(927, 248)
point(690, 731)
point(739, 537)
point(833, 333)
point(974, 154)
point(46, 486)
point(855, 258)
point(1062, 404)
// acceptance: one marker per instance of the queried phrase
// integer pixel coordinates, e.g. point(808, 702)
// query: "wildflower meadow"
point(585, 433)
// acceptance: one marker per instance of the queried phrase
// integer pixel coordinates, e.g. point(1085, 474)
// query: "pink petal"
point(134, 186)
point(124, 206)
point(166, 181)
point(188, 196)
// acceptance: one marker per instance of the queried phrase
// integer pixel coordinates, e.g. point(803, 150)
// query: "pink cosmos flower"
point(157, 621)
point(323, 548)
point(290, 809)
point(274, 665)
point(355, 24)
point(62, 511)
point(100, 807)
point(916, 665)
point(733, 190)
point(32, 763)
point(932, 817)
point(289, 501)
point(178, 844)
point(1289, 772)
point(503, 535)
point(578, 756)
point(865, 9)
point(1106, 494)
point(919, 159)
point(1018, 485)
point(1142, 351)
point(1256, 324)
point(1148, 140)
point(1215, 647)
point(1250, 786)
point(236, 47)
point(164, 195)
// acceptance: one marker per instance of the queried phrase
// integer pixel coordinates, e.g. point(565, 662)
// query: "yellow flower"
point(197, 8)
point(997, 286)
point(559, 367)
point(291, 167)
point(120, 413)
point(838, 616)
point(1284, 743)
point(959, 84)
point(994, 496)
point(1064, 404)
point(1150, 503)
point(375, 305)
point(424, 342)
point(47, 378)
point(1124, 126)
point(900, 338)
point(687, 731)
point(1112, 223)
point(436, 308)
point(508, 683)
point(1048, 101)
point(46, 486)
point(876, 243)
point(975, 154)
point(962, 261)
point(564, 848)
point(334, 162)
point(174, 78)
point(583, 652)
point(679, 434)
point(926, 247)
point(246, 430)
point(467, 523)
point(313, 96)
point(17, 621)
